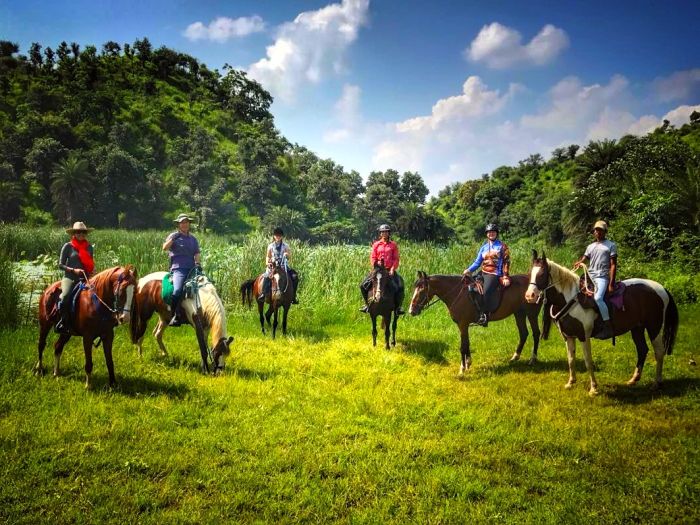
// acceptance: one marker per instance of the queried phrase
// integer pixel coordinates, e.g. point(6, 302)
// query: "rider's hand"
point(577, 265)
point(198, 267)
point(391, 271)
point(611, 287)
point(466, 273)
point(506, 281)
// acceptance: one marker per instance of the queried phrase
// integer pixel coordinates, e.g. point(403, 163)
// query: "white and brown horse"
point(648, 307)
point(210, 319)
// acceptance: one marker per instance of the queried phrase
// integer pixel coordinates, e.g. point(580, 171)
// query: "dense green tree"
point(71, 187)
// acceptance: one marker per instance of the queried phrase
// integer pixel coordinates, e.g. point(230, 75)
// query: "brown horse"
point(382, 302)
point(453, 291)
point(648, 306)
point(281, 296)
point(104, 301)
point(205, 312)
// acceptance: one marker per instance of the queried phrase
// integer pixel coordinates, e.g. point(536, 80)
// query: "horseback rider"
point(494, 258)
point(183, 249)
point(77, 262)
point(602, 257)
point(386, 252)
point(278, 252)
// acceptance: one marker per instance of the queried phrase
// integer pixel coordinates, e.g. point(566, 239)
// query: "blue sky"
point(451, 89)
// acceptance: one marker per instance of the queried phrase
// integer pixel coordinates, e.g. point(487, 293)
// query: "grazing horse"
point(453, 291)
point(281, 295)
point(648, 306)
point(103, 302)
point(207, 317)
point(382, 302)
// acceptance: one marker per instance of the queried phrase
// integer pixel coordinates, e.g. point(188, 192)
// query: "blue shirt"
point(495, 256)
point(182, 250)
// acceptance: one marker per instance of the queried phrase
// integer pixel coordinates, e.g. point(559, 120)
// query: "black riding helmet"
point(278, 231)
point(491, 227)
point(384, 228)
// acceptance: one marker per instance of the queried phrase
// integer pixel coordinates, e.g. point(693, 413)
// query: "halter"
point(116, 291)
point(424, 305)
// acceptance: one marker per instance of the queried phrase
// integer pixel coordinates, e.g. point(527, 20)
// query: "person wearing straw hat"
point(183, 249)
point(77, 263)
point(602, 257)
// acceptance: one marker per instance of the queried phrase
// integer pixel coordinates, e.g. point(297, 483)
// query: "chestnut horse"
point(104, 301)
point(453, 291)
point(648, 306)
point(205, 312)
point(281, 296)
point(382, 302)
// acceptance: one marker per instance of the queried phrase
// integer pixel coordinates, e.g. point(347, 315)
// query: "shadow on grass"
point(137, 386)
point(643, 393)
point(247, 373)
point(431, 351)
point(540, 367)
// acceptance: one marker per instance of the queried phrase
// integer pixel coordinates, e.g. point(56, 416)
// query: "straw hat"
point(79, 227)
point(602, 225)
point(183, 217)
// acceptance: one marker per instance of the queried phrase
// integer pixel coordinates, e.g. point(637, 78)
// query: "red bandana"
point(84, 255)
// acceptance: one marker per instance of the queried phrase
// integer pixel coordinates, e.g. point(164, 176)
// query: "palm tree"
point(71, 185)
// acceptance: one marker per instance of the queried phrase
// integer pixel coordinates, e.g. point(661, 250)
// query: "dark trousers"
point(293, 276)
point(488, 302)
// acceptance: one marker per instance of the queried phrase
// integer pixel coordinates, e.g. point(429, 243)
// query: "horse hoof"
point(515, 357)
point(656, 385)
point(533, 361)
point(633, 381)
point(569, 385)
point(593, 392)
point(39, 371)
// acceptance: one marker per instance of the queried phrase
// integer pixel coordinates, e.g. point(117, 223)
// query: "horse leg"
point(571, 358)
point(393, 329)
point(374, 330)
point(465, 352)
point(107, 340)
point(260, 313)
point(57, 352)
point(659, 353)
point(284, 319)
point(640, 343)
point(532, 317)
point(588, 357)
point(274, 324)
point(522, 332)
point(44, 329)
point(87, 348)
point(387, 329)
point(158, 334)
point(268, 314)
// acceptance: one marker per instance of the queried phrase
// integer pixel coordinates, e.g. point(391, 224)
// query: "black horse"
point(382, 302)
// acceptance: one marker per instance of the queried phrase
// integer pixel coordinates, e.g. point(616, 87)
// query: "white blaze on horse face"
point(414, 300)
point(532, 290)
point(378, 289)
point(126, 313)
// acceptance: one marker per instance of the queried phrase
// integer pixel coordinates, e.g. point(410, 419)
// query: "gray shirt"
point(69, 258)
point(599, 255)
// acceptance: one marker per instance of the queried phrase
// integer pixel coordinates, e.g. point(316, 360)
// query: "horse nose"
point(124, 318)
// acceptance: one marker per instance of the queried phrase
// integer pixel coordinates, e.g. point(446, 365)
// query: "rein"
point(115, 308)
point(427, 304)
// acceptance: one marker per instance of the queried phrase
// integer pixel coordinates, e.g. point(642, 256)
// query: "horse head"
point(380, 280)
point(421, 294)
point(219, 353)
point(539, 278)
point(280, 278)
point(124, 282)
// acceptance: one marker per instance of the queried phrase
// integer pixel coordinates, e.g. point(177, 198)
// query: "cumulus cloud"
point(310, 48)
point(223, 29)
point(678, 86)
point(347, 115)
point(676, 117)
point(500, 47)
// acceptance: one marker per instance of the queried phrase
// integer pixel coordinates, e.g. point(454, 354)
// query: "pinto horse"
point(281, 296)
point(209, 317)
point(453, 291)
point(104, 302)
point(382, 302)
point(648, 307)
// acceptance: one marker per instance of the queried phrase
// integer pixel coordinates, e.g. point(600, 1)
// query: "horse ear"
point(544, 257)
point(534, 254)
point(229, 340)
point(421, 274)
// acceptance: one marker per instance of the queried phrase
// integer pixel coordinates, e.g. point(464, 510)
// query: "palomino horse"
point(281, 295)
point(382, 302)
point(207, 317)
point(453, 291)
point(647, 306)
point(104, 302)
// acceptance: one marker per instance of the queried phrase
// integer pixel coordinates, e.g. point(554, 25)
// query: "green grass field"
point(322, 427)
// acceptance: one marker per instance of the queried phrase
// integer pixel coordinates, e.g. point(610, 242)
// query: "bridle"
point(425, 304)
point(116, 291)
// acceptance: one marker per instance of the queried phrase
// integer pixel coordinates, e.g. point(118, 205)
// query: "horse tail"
point(247, 292)
point(546, 322)
point(136, 323)
point(671, 321)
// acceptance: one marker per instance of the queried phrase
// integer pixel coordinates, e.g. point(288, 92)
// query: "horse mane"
point(101, 280)
point(213, 310)
point(563, 276)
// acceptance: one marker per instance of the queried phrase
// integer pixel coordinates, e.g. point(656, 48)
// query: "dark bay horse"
point(205, 313)
point(453, 291)
point(104, 302)
point(648, 307)
point(382, 302)
point(281, 296)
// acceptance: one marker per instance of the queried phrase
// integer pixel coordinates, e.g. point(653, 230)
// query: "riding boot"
point(63, 325)
point(483, 315)
point(295, 284)
point(365, 292)
point(606, 331)
point(175, 308)
point(399, 299)
point(266, 289)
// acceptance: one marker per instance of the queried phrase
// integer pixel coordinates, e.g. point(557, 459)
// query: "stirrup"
point(175, 321)
point(364, 309)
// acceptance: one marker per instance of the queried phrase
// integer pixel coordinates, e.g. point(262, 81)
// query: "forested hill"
point(128, 135)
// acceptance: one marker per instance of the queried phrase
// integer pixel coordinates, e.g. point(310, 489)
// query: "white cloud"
point(676, 117)
point(223, 28)
point(310, 48)
point(678, 86)
point(347, 115)
point(500, 47)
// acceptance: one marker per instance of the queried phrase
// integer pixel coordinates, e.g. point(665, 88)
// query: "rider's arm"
point(613, 271)
point(268, 256)
point(63, 258)
point(477, 262)
point(373, 255)
point(505, 260)
point(287, 252)
point(582, 260)
point(169, 240)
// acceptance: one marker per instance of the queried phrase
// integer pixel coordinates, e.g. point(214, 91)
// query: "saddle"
point(614, 300)
point(476, 292)
point(72, 300)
